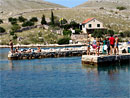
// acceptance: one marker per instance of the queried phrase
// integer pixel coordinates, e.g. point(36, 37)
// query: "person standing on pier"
point(94, 44)
point(116, 50)
point(104, 46)
point(11, 46)
point(88, 49)
point(112, 41)
point(108, 46)
point(98, 47)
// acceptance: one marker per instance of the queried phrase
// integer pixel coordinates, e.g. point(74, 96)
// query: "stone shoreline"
point(41, 45)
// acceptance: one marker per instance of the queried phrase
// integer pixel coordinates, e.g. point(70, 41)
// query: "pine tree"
point(52, 18)
point(43, 20)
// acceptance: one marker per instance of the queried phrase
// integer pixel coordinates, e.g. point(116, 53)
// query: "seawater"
point(61, 77)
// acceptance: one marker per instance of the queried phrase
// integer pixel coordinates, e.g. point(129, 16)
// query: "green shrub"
point(27, 23)
point(64, 40)
point(121, 8)
point(12, 20)
point(15, 27)
point(1, 21)
point(63, 21)
point(125, 34)
point(67, 32)
point(15, 36)
point(74, 24)
point(11, 32)
point(77, 31)
point(98, 33)
point(21, 19)
point(101, 8)
point(2, 30)
point(34, 19)
point(110, 32)
point(43, 20)
point(67, 26)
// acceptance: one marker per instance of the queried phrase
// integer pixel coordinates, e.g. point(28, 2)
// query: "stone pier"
point(69, 53)
point(105, 59)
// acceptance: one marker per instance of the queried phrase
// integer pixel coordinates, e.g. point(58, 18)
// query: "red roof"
point(87, 20)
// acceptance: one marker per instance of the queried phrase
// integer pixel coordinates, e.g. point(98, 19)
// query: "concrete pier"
point(105, 59)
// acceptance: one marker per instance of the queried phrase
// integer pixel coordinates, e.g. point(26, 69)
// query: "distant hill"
point(106, 3)
point(19, 5)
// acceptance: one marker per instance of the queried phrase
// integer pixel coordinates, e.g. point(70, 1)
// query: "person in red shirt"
point(112, 42)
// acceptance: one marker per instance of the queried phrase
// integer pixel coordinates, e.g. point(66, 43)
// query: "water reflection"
point(110, 69)
point(48, 64)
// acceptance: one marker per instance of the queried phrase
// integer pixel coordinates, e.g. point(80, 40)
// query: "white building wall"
point(94, 24)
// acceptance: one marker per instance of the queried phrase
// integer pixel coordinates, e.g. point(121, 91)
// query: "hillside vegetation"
point(13, 7)
point(114, 14)
point(111, 4)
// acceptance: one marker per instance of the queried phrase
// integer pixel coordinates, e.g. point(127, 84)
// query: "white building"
point(91, 24)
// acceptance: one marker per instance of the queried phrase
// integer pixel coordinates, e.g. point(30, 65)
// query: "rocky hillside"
point(106, 3)
point(20, 5)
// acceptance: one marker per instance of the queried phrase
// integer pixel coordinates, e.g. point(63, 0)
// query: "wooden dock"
point(105, 59)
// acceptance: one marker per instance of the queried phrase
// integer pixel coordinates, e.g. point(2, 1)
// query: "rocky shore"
point(42, 45)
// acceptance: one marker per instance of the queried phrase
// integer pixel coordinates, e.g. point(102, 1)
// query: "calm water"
point(61, 77)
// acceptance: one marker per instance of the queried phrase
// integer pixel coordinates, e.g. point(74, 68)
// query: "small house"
point(91, 24)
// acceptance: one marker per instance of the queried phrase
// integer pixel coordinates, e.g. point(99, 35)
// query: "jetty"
point(105, 59)
point(48, 53)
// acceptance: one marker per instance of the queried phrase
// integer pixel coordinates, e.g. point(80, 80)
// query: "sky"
point(67, 3)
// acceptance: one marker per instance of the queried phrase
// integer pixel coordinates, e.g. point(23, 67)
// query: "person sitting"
point(29, 50)
point(17, 50)
point(38, 49)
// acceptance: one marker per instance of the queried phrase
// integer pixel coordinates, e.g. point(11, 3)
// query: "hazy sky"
point(68, 3)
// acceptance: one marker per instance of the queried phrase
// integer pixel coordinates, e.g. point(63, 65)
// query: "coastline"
point(42, 45)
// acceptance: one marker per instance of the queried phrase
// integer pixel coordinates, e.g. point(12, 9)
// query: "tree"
point(15, 36)
point(21, 19)
point(34, 19)
point(98, 33)
point(2, 30)
point(63, 21)
point(27, 23)
point(64, 40)
point(77, 31)
point(12, 20)
point(74, 24)
point(1, 21)
point(121, 8)
point(43, 20)
point(11, 32)
point(110, 32)
point(52, 18)
point(15, 27)
point(125, 34)
point(67, 32)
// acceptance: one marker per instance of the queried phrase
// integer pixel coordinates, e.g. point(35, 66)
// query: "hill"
point(14, 6)
point(106, 3)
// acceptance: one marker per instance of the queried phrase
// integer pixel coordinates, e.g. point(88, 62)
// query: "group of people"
point(110, 46)
point(17, 50)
